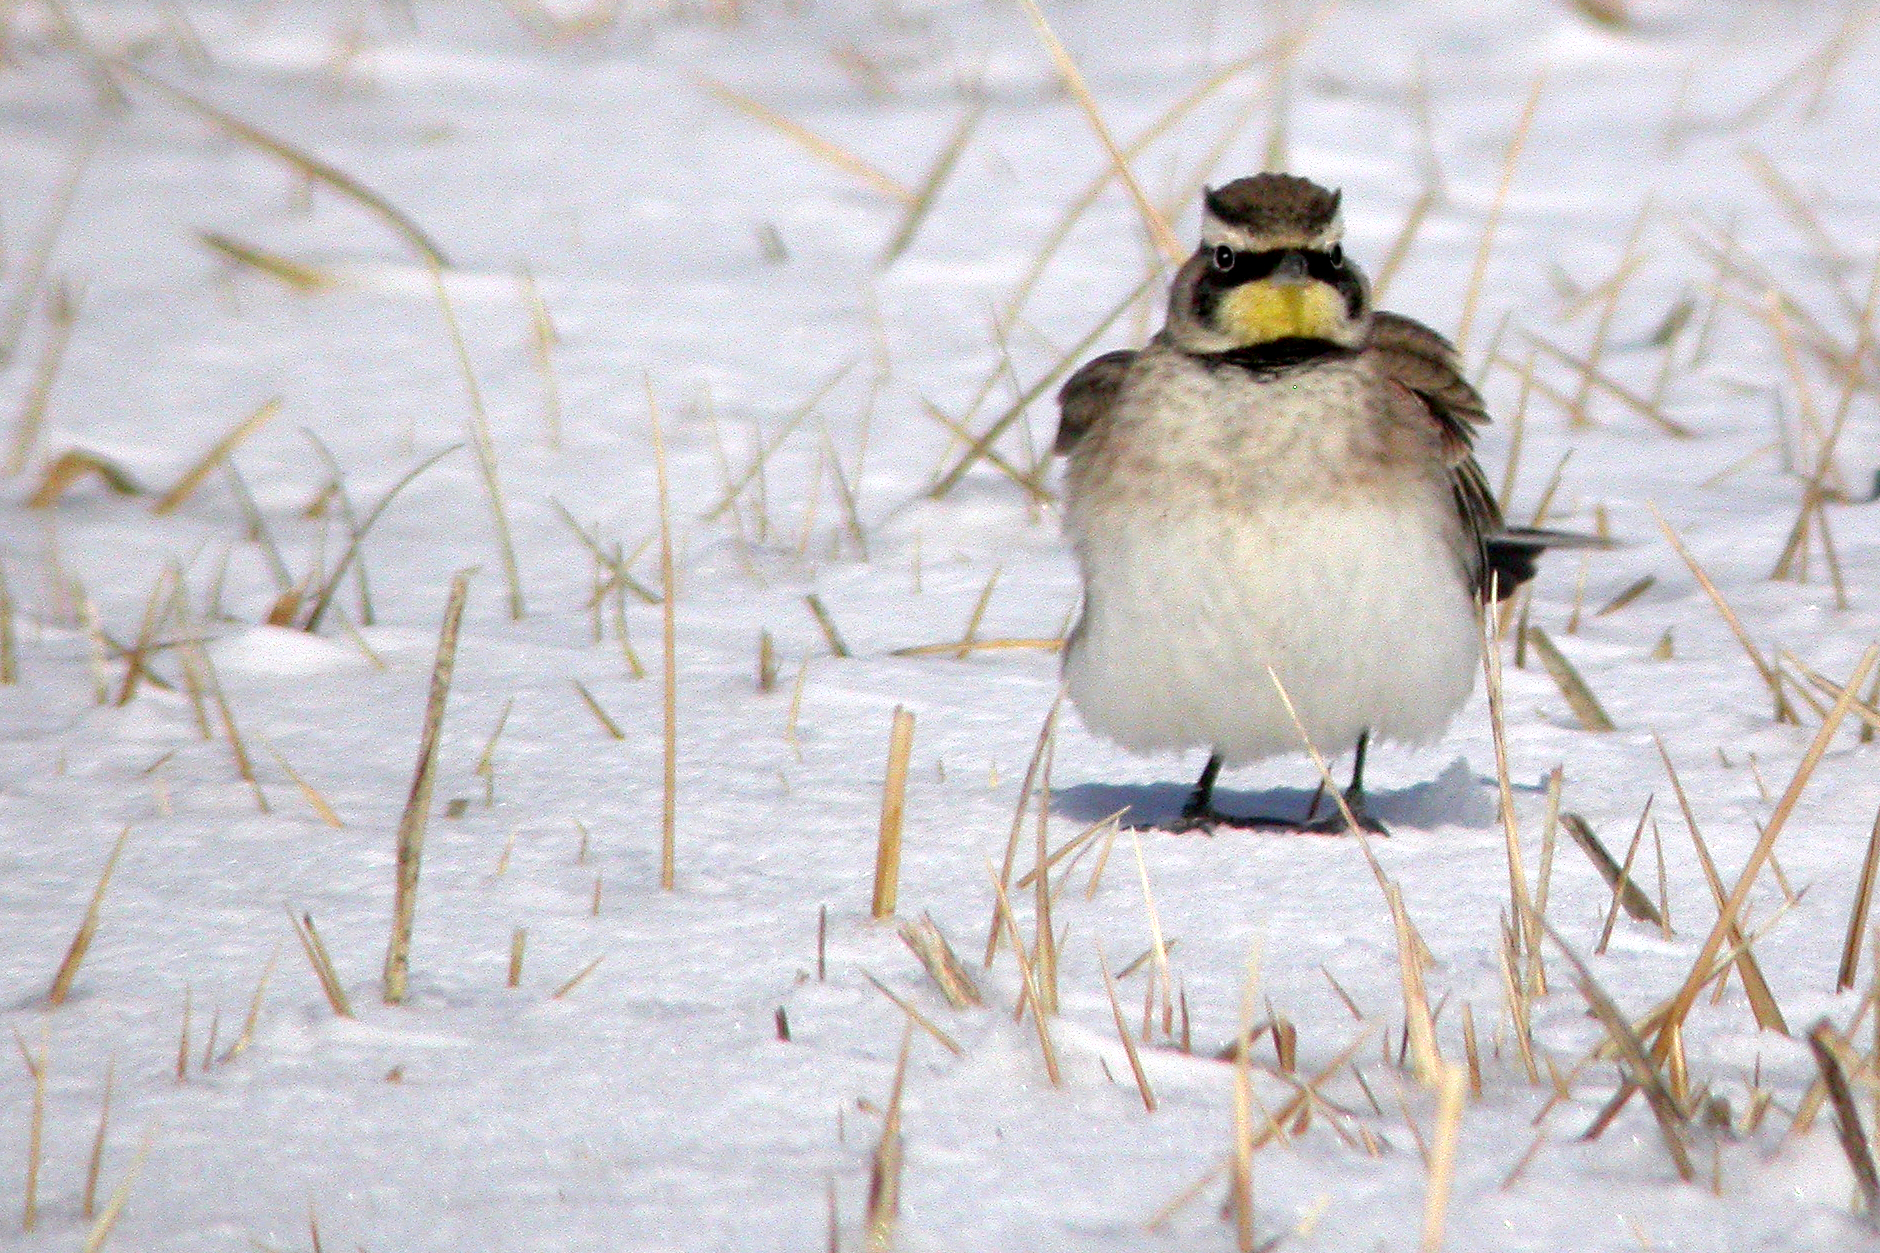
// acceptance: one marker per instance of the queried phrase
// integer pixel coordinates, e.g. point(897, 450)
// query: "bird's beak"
point(1291, 271)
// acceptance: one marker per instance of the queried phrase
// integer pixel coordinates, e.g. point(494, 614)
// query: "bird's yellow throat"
point(1263, 311)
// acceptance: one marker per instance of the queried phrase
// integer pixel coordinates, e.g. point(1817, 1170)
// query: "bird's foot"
point(1333, 822)
point(1206, 820)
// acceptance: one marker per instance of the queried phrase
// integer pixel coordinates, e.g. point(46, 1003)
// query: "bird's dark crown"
point(1272, 204)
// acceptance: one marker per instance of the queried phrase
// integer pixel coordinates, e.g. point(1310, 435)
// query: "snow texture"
point(691, 255)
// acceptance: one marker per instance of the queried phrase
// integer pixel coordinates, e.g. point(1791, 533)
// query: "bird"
point(1282, 477)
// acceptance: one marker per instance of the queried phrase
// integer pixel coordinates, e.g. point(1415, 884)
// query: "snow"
point(653, 1105)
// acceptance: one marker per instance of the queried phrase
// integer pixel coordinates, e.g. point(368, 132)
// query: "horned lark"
point(1283, 478)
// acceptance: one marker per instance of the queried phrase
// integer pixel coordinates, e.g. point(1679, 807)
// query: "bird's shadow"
point(1456, 797)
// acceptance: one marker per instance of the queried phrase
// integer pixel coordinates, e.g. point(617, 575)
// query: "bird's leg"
point(1199, 813)
point(1334, 822)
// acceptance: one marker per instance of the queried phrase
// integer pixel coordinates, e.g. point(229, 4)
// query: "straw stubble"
point(418, 802)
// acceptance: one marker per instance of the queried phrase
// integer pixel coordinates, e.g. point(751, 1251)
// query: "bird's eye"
point(1338, 256)
point(1223, 258)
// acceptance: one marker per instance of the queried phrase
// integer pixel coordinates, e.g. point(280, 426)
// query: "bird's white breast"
point(1225, 522)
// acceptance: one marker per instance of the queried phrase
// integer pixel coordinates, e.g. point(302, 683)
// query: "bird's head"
point(1270, 268)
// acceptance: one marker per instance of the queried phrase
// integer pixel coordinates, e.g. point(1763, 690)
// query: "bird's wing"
point(1087, 396)
point(1426, 383)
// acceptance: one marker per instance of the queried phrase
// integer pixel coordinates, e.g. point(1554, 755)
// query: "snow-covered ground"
point(688, 251)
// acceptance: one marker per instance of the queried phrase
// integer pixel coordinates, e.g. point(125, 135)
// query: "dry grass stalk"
point(1783, 712)
point(542, 340)
point(39, 255)
point(1122, 1033)
point(1046, 733)
point(827, 625)
point(87, 928)
point(101, 1229)
point(156, 610)
point(1075, 845)
point(35, 1128)
point(668, 657)
point(1277, 53)
point(308, 792)
point(1487, 245)
point(322, 962)
point(928, 943)
point(1399, 250)
point(1157, 944)
point(1516, 994)
point(1471, 1051)
point(94, 1163)
point(884, 1171)
point(964, 648)
point(611, 561)
point(1631, 592)
point(796, 709)
point(247, 1036)
point(418, 803)
point(1857, 918)
point(929, 189)
point(766, 662)
point(219, 452)
point(1590, 372)
point(1425, 1058)
point(600, 715)
point(319, 602)
point(1550, 830)
point(1451, 1093)
point(1308, 1092)
point(814, 144)
point(1680, 1004)
point(971, 633)
point(518, 943)
point(1526, 920)
point(914, 1015)
point(71, 466)
point(1027, 981)
point(1045, 382)
point(1761, 999)
point(1818, 64)
point(1036, 490)
point(1612, 14)
point(1641, 1068)
point(1625, 879)
point(1240, 1176)
point(244, 765)
point(1810, 1105)
point(754, 472)
point(1614, 287)
point(1044, 950)
point(63, 316)
point(303, 278)
point(1181, 1200)
point(1626, 892)
point(577, 978)
point(1819, 489)
point(1868, 710)
point(9, 643)
point(1152, 220)
point(478, 422)
point(1836, 1059)
point(309, 166)
point(1806, 222)
point(486, 769)
point(893, 808)
point(845, 490)
point(182, 1039)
